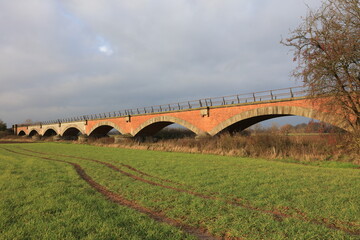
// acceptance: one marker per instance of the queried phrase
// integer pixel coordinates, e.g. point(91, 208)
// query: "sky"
point(65, 58)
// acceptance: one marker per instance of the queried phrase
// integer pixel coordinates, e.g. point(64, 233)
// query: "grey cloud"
point(163, 51)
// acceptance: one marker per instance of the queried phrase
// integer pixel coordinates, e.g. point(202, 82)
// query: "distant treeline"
point(311, 127)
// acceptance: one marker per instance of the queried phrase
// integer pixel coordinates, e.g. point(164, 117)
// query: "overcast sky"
point(63, 58)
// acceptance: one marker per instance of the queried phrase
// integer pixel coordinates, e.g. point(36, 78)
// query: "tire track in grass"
point(278, 215)
point(200, 233)
point(122, 164)
point(115, 168)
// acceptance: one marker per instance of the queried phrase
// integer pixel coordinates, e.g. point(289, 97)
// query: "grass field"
point(71, 191)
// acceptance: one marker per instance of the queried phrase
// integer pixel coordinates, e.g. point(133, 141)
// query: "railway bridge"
point(204, 117)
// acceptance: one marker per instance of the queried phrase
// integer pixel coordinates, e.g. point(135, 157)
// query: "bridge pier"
point(36, 137)
point(83, 138)
point(57, 137)
point(122, 138)
point(203, 135)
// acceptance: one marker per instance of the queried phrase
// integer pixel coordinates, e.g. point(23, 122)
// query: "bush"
point(296, 147)
point(2, 126)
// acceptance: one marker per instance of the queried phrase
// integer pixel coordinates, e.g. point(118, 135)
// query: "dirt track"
point(276, 213)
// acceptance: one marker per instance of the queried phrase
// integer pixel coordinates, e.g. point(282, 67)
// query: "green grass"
point(324, 164)
point(48, 200)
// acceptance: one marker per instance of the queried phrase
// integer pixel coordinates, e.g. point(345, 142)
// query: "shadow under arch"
point(22, 133)
point(246, 119)
point(71, 132)
point(33, 132)
point(49, 132)
point(154, 125)
point(101, 129)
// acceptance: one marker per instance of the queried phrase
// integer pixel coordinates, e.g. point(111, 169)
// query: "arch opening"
point(50, 132)
point(33, 133)
point(163, 130)
point(152, 126)
point(71, 133)
point(246, 119)
point(295, 125)
point(174, 131)
point(104, 131)
point(248, 122)
point(152, 129)
point(22, 133)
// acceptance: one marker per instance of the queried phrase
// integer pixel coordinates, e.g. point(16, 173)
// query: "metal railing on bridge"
point(246, 98)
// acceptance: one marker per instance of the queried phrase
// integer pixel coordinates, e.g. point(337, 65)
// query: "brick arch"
point(71, 126)
point(21, 133)
point(33, 131)
point(106, 123)
point(50, 128)
point(167, 120)
point(279, 111)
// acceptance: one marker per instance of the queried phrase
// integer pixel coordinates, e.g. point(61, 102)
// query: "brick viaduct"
point(207, 119)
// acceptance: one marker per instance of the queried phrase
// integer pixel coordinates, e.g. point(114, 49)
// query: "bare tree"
point(326, 47)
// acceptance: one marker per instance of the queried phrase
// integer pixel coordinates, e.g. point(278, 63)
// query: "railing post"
point(179, 106)
point(272, 97)
point(238, 99)
point(169, 107)
point(254, 97)
point(200, 103)
point(189, 105)
point(223, 103)
point(291, 93)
